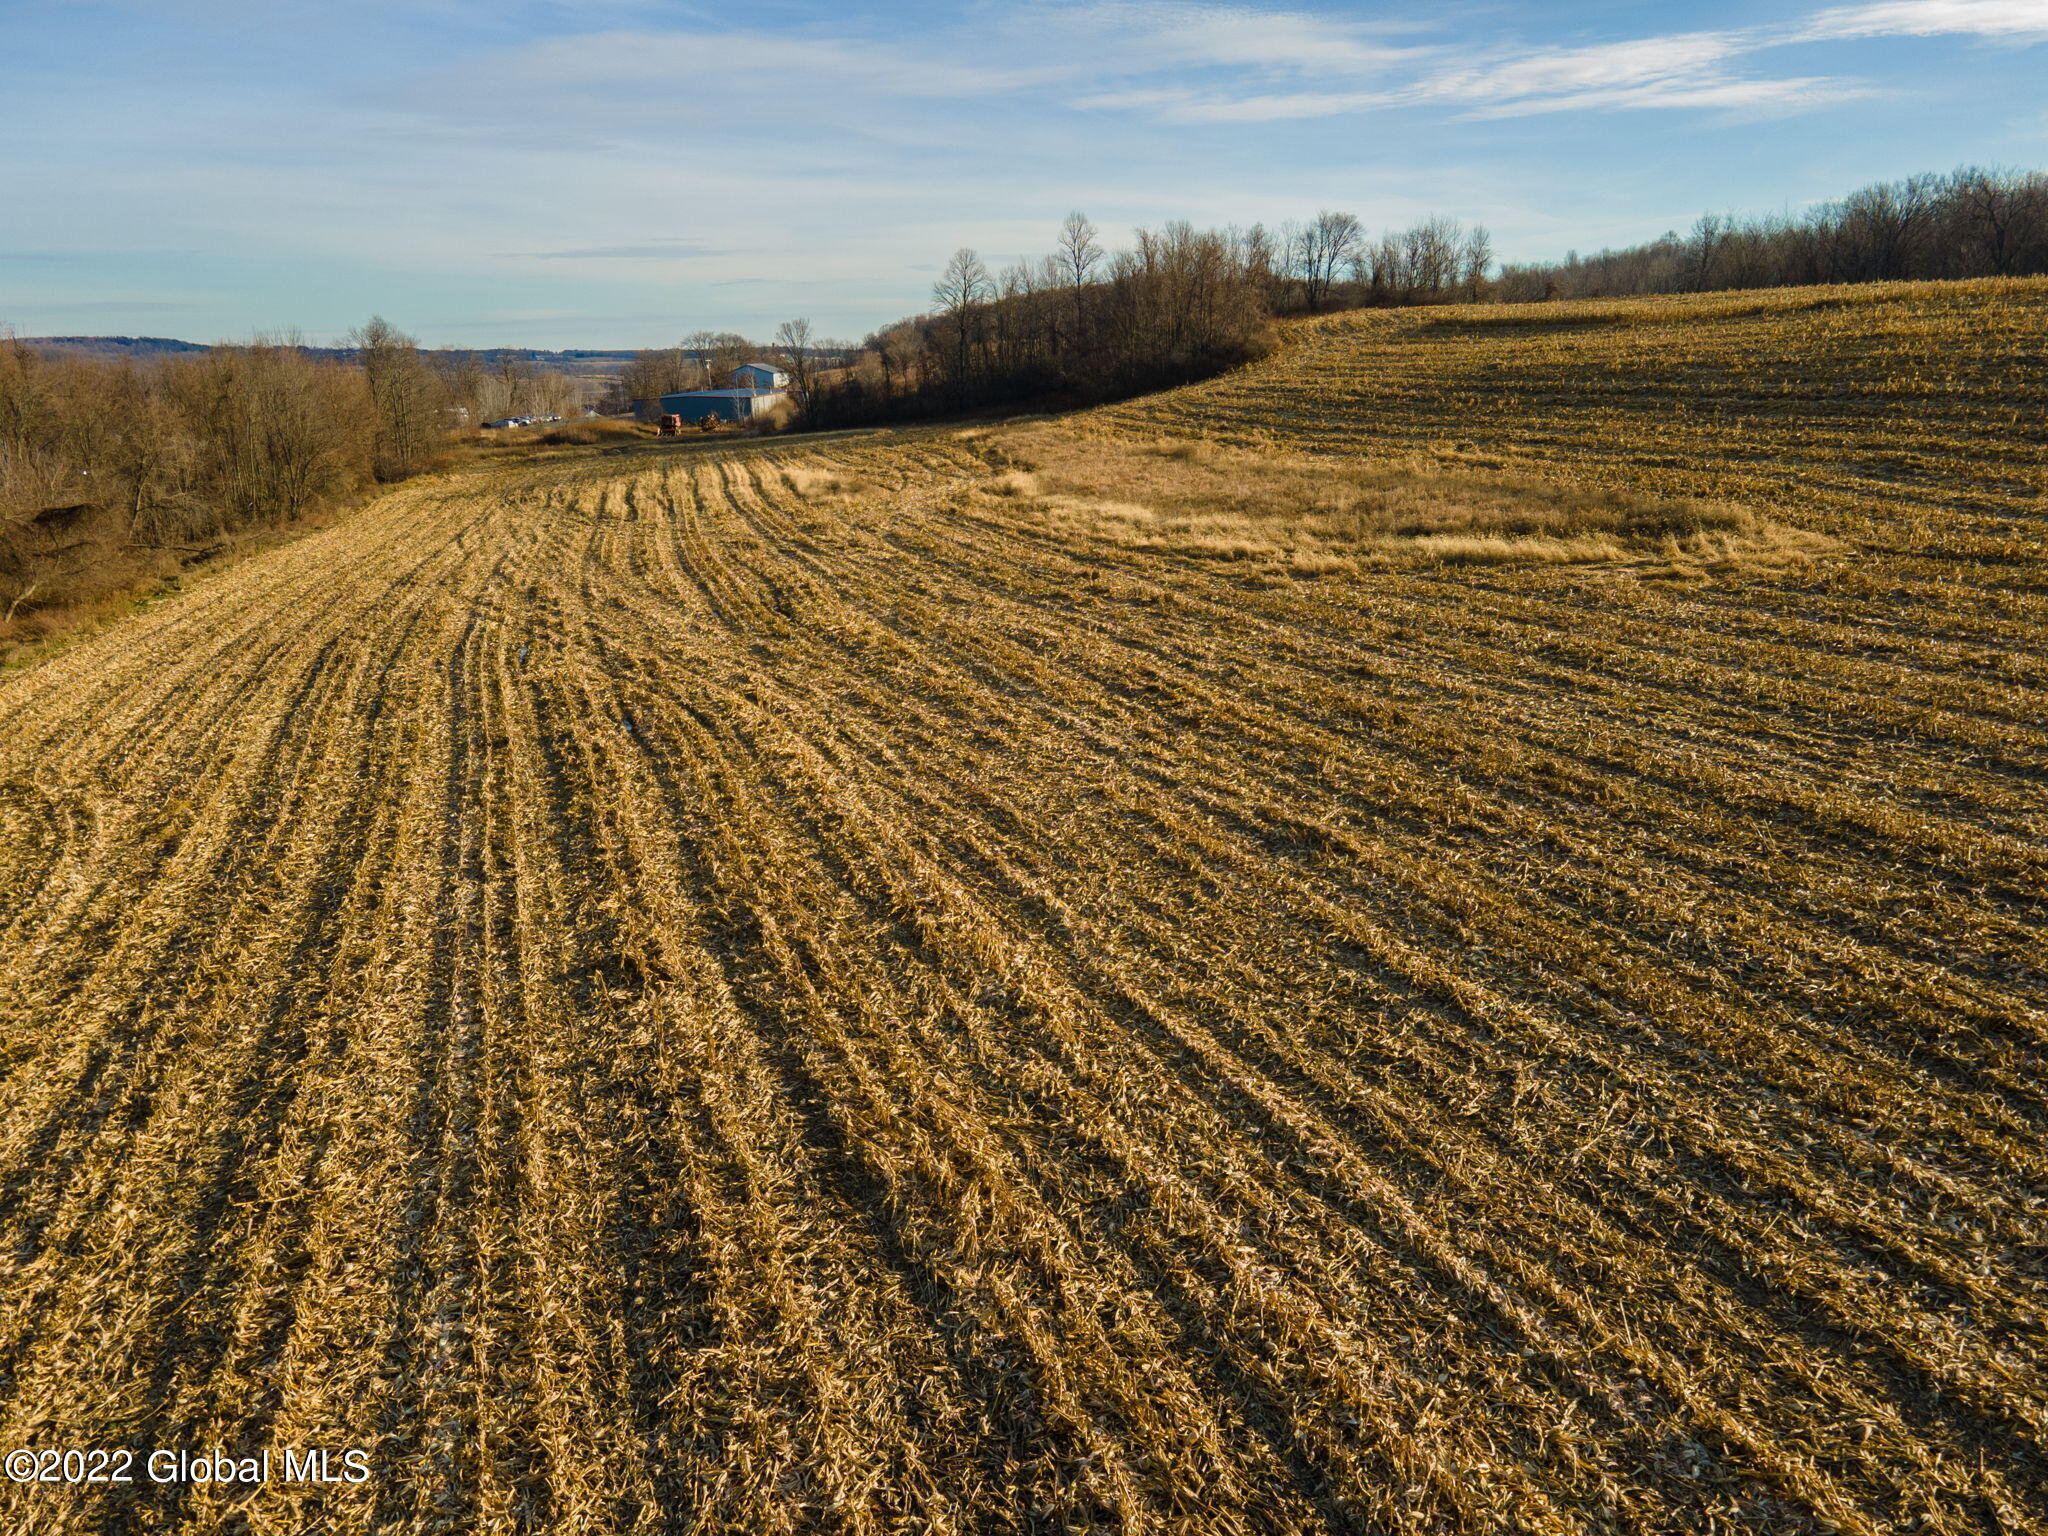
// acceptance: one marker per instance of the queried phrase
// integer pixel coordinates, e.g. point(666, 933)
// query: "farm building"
point(755, 387)
point(725, 404)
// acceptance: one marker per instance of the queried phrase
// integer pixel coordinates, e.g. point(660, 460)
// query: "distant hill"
point(597, 364)
point(114, 346)
point(573, 360)
point(567, 359)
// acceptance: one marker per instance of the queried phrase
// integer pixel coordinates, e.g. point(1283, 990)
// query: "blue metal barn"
point(725, 404)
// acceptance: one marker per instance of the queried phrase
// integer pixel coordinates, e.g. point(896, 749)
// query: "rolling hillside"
point(1441, 935)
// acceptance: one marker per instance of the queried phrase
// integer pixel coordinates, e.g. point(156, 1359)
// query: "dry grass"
point(1318, 516)
point(777, 988)
point(502, 442)
point(585, 433)
point(823, 484)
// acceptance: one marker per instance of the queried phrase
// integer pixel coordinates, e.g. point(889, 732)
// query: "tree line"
point(1971, 222)
point(113, 471)
point(1082, 323)
point(1085, 323)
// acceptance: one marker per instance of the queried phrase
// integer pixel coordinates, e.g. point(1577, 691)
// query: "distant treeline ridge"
point(1969, 223)
point(113, 471)
point(1084, 324)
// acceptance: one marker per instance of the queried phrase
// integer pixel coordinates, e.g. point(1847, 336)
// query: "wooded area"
point(1969, 223)
point(112, 473)
point(1080, 323)
point(1083, 324)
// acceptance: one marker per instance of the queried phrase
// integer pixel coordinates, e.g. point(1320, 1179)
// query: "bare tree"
point(2000, 219)
point(1478, 261)
point(1432, 250)
point(963, 285)
point(798, 355)
point(1703, 245)
point(1079, 253)
point(462, 376)
point(1321, 249)
point(1883, 227)
point(1256, 254)
point(1076, 258)
point(962, 290)
point(411, 402)
point(715, 354)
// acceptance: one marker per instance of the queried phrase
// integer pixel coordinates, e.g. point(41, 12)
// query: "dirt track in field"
point(653, 996)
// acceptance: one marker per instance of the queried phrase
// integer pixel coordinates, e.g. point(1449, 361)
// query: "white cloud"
point(1152, 35)
point(1748, 98)
point(1171, 62)
point(1682, 71)
point(1641, 62)
point(741, 77)
point(2024, 19)
point(1284, 63)
point(1191, 107)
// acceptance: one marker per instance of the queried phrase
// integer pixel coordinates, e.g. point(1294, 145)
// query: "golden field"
point(1444, 934)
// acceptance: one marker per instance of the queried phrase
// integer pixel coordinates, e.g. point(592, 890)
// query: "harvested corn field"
point(909, 983)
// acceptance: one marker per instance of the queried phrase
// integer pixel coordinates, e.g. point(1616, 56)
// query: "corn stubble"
point(759, 988)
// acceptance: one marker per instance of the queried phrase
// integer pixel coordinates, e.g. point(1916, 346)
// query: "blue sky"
point(618, 172)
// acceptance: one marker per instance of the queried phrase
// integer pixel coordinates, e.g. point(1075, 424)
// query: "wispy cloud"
point(646, 250)
point(1153, 35)
point(1192, 107)
point(135, 306)
point(1172, 62)
point(738, 78)
point(1680, 57)
point(2020, 19)
point(1748, 98)
point(1678, 71)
